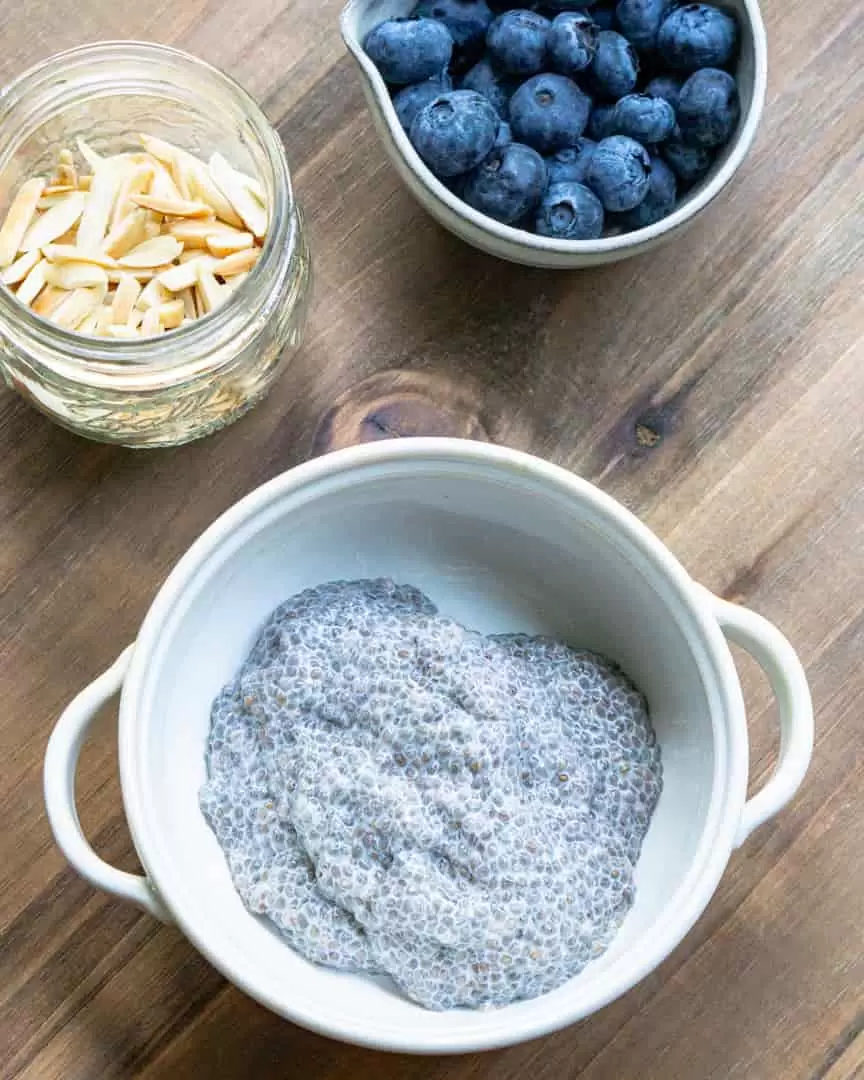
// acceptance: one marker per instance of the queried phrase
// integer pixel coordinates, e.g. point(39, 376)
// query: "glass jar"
point(163, 390)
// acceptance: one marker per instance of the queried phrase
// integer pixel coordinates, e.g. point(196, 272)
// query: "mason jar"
point(165, 390)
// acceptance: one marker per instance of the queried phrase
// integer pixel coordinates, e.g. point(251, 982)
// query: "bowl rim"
point(496, 1028)
point(507, 234)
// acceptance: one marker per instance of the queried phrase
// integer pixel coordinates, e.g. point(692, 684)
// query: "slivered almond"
point(65, 172)
point(188, 297)
point(128, 291)
point(150, 324)
point(126, 332)
point(146, 276)
point(19, 269)
point(18, 221)
point(193, 234)
point(56, 221)
point(95, 220)
point(137, 181)
point(238, 263)
point(171, 314)
point(205, 190)
point(185, 275)
point(76, 307)
point(226, 242)
point(75, 275)
point(48, 300)
point(212, 293)
point(152, 253)
point(252, 185)
point(127, 234)
point(71, 253)
point(104, 318)
point(153, 295)
point(247, 206)
point(162, 185)
point(134, 318)
point(32, 284)
point(93, 159)
point(88, 326)
point(180, 208)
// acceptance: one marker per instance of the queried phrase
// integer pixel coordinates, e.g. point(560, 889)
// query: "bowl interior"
point(498, 549)
point(360, 16)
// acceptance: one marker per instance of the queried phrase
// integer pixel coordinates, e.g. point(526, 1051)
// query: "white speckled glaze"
point(502, 542)
point(358, 18)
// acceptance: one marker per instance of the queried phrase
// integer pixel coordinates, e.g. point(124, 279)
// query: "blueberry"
point(516, 42)
point(709, 109)
point(549, 112)
point(658, 203)
point(639, 21)
point(697, 36)
point(508, 184)
point(485, 80)
point(602, 122)
point(689, 163)
point(455, 132)
point(667, 87)
point(647, 119)
point(504, 136)
point(615, 67)
point(570, 211)
point(572, 42)
point(619, 173)
point(411, 99)
point(571, 164)
point(467, 21)
point(409, 50)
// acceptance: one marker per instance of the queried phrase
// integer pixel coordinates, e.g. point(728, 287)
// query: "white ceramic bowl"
point(360, 16)
point(501, 541)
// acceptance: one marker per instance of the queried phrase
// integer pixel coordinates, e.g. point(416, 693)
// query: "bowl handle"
point(770, 649)
point(61, 762)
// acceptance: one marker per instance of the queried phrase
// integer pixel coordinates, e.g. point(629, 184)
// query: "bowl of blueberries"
point(565, 133)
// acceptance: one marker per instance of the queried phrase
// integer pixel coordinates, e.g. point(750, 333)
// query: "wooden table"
point(715, 387)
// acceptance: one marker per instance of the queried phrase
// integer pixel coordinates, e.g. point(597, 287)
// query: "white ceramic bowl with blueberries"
point(501, 542)
point(568, 135)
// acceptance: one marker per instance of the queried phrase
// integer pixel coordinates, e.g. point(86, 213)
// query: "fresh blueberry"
point(508, 184)
point(572, 42)
point(615, 68)
point(619, 173)
point(571, 164)
point(709, 108)
point(602, 122)
point(667, 87)
point(504, 136)
point(689, 163)
point(411, 99)
point(646, 119)
point(485, 80)
point(658, 203)
point(516, 42)
point(409, 50)
point(549, 112)
point(697, 36)
point(455, 132)
point(570, 211)
point(639, 21)
point(467, 21)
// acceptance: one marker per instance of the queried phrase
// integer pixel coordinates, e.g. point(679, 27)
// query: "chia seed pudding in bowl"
point(202, 374)
point(517, 556)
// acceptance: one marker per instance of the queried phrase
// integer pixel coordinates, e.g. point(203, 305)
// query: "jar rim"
point(93, 360)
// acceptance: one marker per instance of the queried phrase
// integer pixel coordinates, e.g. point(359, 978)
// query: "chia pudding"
point(400, 795)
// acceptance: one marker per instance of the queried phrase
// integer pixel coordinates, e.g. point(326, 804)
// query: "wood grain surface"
point(716, 387)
